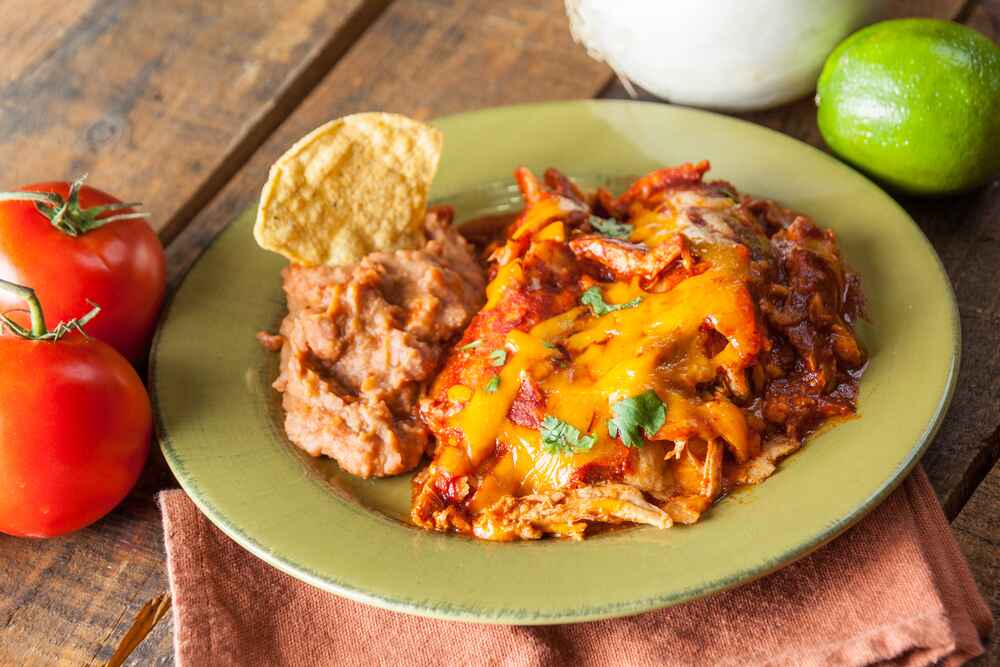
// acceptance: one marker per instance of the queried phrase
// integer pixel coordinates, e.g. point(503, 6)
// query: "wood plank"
point(984, 16)
point(154, 611)
point(155, 100)
point(966, 233)
point(978, 531)
point(157, 648)
point(940, 9)
point(421, 58)
point(35, 32)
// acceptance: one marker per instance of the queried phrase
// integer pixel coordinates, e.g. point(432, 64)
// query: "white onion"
point(723, 54)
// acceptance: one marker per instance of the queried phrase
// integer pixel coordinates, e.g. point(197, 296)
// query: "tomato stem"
point(34, 306)
point(38, 331)
point(66, 214)
point(40, 197)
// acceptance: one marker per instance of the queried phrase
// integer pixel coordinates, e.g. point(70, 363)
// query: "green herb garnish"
point(551, 346)
point(561, 437)
point(498, 357)
point(473, 344)
point(492, 385)
point(593, 298)
point(611, 228)
point(645, 412)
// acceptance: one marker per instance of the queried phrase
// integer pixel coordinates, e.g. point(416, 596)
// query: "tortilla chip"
point(352, 186)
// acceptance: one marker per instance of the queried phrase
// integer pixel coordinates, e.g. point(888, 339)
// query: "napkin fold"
point(894, 589)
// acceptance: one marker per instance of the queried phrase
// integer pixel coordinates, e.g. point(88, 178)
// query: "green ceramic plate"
point(220, 424)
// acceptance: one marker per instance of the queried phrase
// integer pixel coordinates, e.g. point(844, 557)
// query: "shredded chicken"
point(566, 513)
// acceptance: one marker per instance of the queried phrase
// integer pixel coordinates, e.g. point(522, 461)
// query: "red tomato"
point(119, 266)
point(75, 426)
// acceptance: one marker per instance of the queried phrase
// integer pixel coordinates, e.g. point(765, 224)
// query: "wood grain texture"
point(984, 16)
point(940, 9)
point(978, 531)
point(966, 233)
point(35, 33)
point(421, 58)
point(157, 650)
point(149, 615)
point(153, 99)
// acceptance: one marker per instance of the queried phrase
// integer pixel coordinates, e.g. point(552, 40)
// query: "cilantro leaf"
point(561, 437)
point(645, 412)
point(593, 298)
point(492, 385)
point(471, 345)
point(498, 357)
point(611, 228)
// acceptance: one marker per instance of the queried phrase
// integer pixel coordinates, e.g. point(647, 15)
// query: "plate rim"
point(454, 612)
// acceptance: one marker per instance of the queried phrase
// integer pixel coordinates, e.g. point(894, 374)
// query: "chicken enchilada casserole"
point(638, 356)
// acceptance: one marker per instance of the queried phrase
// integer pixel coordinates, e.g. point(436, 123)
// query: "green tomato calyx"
point(67, 216)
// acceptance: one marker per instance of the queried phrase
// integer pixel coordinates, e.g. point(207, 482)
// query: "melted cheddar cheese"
point(690, 334)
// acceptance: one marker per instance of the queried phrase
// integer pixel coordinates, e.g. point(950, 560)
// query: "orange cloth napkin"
point(893, 589)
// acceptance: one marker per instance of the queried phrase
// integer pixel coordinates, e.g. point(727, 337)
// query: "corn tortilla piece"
point(352, 186)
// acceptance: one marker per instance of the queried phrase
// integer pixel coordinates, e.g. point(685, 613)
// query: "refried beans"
point(360, 343)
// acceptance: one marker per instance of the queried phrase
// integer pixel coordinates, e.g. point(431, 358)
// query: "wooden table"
point(185, 104)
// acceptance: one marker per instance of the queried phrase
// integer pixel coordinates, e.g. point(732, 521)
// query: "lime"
point(915, 103)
